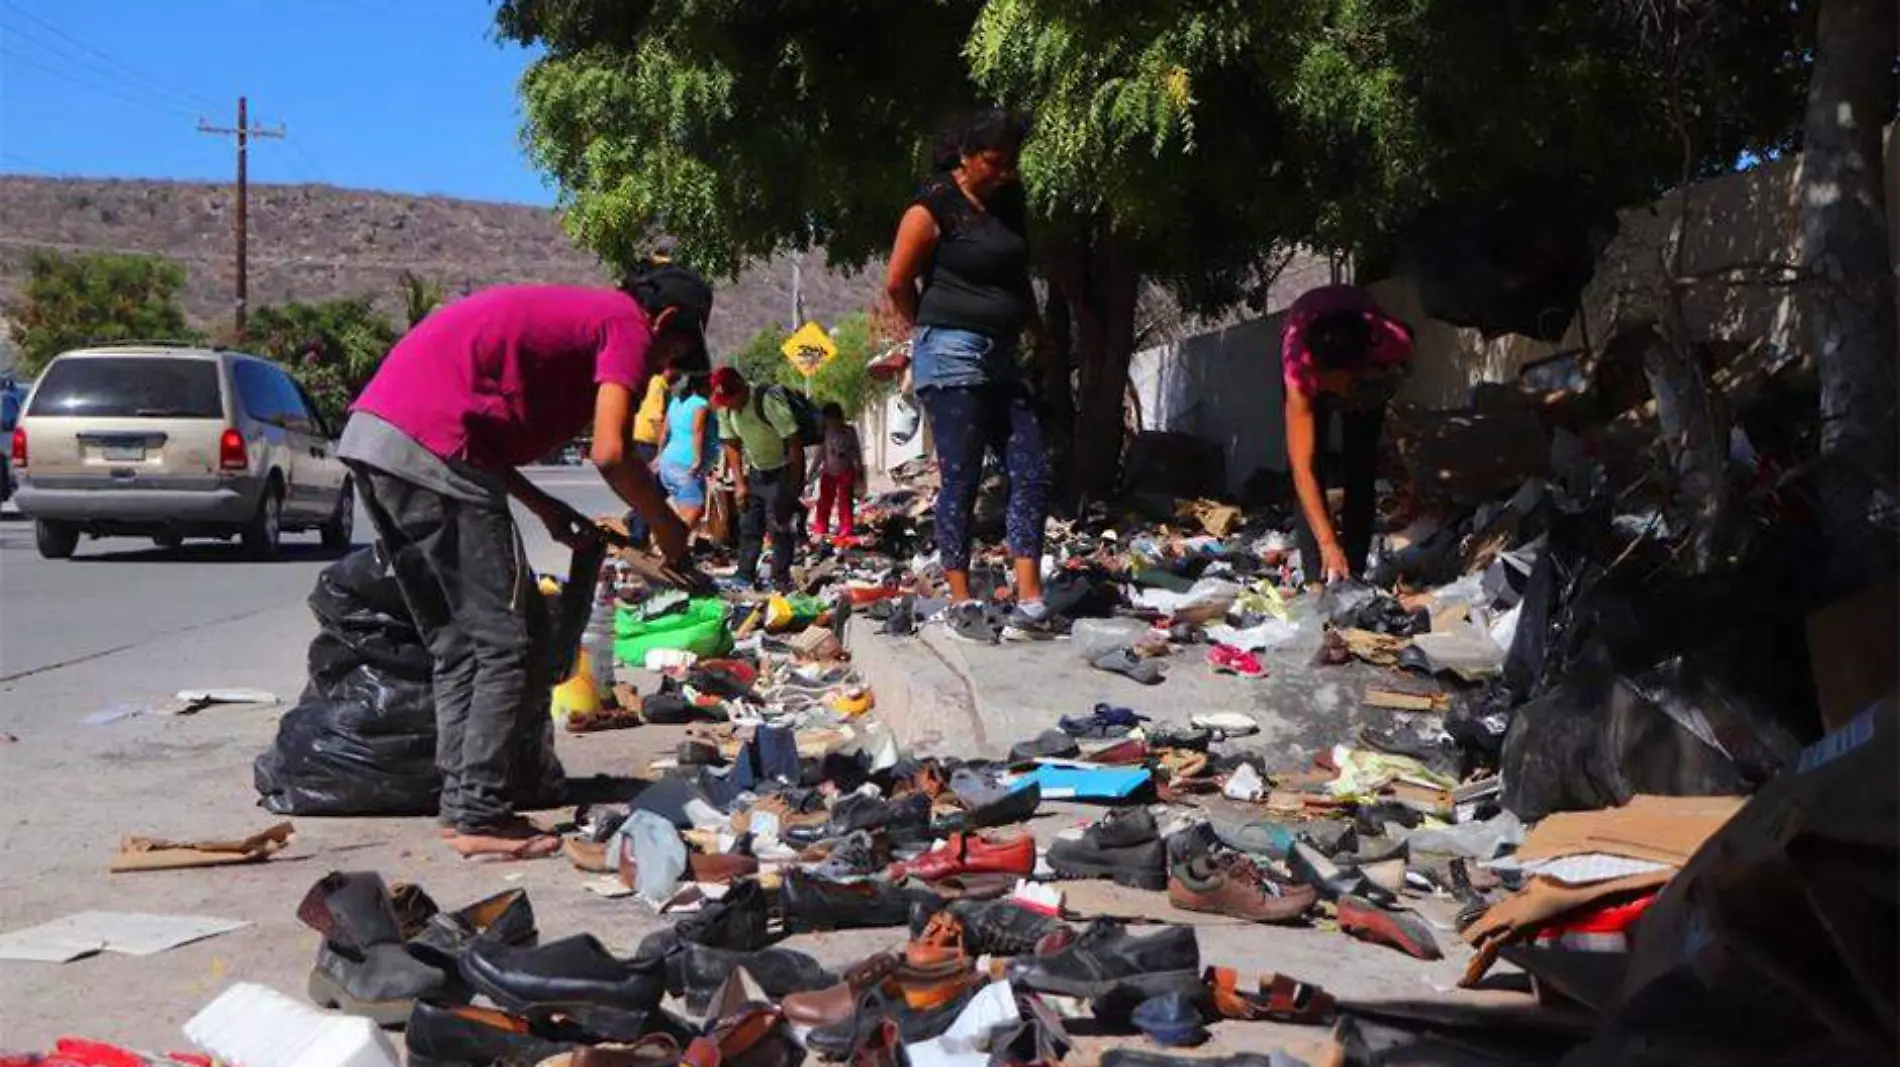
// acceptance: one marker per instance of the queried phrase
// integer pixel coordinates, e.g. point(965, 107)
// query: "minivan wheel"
point(266, 528)
point(340, 528)
point(57, 540)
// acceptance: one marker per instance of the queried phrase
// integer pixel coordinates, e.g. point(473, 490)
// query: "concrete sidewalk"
point(944, 696)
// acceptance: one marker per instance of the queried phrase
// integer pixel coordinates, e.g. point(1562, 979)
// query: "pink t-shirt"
point(503, 377)
point(1390, 344)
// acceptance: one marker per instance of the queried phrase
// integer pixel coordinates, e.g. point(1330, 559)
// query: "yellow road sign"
point(809, 349)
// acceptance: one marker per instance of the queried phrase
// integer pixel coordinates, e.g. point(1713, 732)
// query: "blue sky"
point(405, 95)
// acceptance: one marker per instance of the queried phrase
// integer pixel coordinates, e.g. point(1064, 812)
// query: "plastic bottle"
point(598, 640)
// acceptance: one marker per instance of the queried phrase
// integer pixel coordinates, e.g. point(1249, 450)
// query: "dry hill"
point(314, 242)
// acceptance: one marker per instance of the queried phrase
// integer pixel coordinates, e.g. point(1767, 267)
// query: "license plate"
point(124, 453)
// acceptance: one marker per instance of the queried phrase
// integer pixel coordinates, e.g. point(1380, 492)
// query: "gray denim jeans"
point(464, 575)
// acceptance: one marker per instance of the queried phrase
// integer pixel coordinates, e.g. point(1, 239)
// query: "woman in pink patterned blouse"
point(1340, 355)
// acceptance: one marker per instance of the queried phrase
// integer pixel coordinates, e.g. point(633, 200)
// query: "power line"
point(310, 165)
point(151, 80)
point(108, 88)
point(81, 64)
point(8, 153)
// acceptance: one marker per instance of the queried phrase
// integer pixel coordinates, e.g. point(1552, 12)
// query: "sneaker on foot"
point(970, 622)
point(1022, 626)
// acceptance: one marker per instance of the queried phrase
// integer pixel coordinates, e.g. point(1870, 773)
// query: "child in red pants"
point(843, 472)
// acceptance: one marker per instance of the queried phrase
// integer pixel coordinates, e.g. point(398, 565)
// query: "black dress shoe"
point(440, 1036)
point(696, 972)
point(1009, 807)
point(571, 976)
point(1122, 847)
point(811, 903)
point(506, 917)
point(1307, 865)
point(837, 1042)
point(737, 921)
point(995, 927)
point(1105, 958)
point(905, 819)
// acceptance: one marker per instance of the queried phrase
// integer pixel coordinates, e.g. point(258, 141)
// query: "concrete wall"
point(1224, 386)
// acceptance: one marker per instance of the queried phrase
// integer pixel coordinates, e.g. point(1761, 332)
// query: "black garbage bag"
point(1083, 593)
point(1691, 725)
point(1593, 742)
point(361, 740)
point(1355, 605)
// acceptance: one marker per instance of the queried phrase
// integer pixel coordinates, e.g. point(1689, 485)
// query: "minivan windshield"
point(151, 387)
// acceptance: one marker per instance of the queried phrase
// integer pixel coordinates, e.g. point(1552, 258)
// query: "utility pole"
point(798, 289)
point(243, 131)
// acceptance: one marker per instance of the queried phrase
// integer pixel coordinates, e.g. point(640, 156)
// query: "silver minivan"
point(174, 442)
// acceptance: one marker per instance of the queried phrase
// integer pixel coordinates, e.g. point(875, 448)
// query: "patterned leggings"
point(966, 421)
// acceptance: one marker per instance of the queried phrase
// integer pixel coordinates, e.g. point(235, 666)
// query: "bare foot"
point(517, 839)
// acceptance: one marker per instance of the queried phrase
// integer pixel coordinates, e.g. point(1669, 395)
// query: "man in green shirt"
point(764, 451)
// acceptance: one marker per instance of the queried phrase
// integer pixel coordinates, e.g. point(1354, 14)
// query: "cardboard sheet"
point(1662, 829)
point(129, 933)
point(157, 854)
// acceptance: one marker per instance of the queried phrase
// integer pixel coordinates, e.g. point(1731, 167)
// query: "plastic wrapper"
point(1093, 638)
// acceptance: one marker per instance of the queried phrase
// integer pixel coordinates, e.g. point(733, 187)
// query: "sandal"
point(1279, 998)
point(1226, 659)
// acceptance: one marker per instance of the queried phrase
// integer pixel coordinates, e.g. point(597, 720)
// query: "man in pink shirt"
point(479, 388)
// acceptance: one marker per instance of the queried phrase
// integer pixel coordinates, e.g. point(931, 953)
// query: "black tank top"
point(978, 274)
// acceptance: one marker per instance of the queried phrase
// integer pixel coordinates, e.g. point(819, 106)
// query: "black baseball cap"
point(664, 284)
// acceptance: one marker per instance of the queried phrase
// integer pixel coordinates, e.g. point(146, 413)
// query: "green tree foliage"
point(96, 298)
point(843, 380)
point(333, 347)
point(1181, 142)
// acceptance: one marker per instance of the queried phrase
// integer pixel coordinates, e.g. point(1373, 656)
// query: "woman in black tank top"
point(959, 280)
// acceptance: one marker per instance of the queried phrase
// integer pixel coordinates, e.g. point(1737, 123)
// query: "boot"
point(364, 967)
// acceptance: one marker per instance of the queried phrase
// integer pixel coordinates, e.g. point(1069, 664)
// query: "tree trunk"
point(1850, 291)
point(1056, 390)
point(1689, 420)
point(1099, 281)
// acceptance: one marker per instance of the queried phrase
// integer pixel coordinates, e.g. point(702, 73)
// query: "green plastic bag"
point(700, 629)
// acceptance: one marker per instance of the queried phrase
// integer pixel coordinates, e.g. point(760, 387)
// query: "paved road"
point(126, 621)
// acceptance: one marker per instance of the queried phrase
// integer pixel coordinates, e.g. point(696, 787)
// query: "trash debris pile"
point(1661, 798)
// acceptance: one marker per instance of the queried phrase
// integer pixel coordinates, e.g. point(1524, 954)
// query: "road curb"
point(925, 697)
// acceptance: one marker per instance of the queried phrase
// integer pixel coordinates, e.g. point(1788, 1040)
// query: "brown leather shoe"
point(755, 1038)
point(826, 1007)
point(721, 868)
point(1230, 884)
